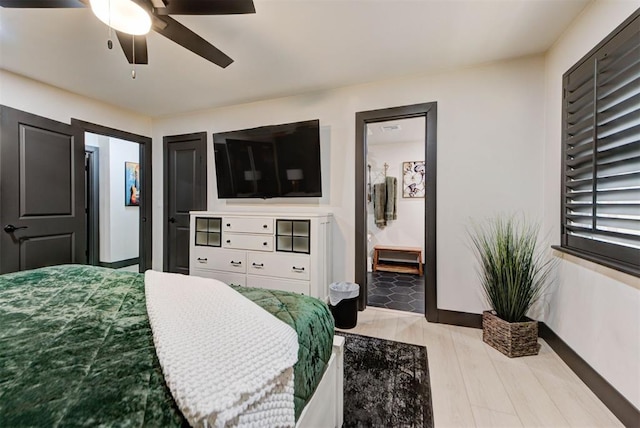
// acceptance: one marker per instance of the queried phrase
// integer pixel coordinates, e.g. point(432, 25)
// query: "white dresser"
point(280, 251)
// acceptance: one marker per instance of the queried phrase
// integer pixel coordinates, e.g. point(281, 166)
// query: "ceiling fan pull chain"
point(109, 42)
point(133, 66)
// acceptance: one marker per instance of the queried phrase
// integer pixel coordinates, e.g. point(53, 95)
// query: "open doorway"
point(113, 201)
point(118, 197)
point(395, 214)
point(427, 114)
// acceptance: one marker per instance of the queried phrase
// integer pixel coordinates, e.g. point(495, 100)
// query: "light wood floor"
point(473, 385)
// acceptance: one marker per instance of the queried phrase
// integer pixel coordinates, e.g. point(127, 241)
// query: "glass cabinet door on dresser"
point(208, 231)
point(293, 236)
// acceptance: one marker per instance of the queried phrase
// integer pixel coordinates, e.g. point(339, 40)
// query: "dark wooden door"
point(185, 190)
point(42, 192)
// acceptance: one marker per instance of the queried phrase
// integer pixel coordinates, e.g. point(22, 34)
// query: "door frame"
point(202, 190)
point(430, 112)
point(92, 202)
point(146, 205)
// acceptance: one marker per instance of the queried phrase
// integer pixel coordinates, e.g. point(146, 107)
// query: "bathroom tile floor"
point(398, 291)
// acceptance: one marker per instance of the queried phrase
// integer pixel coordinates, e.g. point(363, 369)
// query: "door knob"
point(172, 220)
point(11, 228)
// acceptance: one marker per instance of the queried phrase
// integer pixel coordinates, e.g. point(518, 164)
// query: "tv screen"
point(269, 162)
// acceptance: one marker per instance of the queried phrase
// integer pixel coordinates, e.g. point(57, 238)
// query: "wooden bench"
point(409, 257)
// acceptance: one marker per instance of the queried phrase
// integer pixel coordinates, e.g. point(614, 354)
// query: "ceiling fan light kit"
point(132, 19)
point(122, 15)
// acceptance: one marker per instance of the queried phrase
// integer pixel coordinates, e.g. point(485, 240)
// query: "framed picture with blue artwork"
point(131, 184)
point(413, 174)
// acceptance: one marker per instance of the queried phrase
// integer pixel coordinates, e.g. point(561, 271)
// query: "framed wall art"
point(131, 184)
point(413, 174)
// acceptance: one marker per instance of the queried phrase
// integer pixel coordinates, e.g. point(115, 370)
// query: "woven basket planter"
point(515, 339)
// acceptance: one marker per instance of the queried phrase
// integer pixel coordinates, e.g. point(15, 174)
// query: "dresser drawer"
point(243, 241)
point(219, 259)
point(226, 277)
point(202, 257)
point(301, 287)
point(247, 225)
point(290, 266)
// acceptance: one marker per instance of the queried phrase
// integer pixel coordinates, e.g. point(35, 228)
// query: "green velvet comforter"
point(76, 348)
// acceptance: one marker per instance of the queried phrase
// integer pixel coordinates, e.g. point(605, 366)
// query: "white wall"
point(408, 229)
point(490, 133)
point(38, 98)
point(595, 310)
point(124, 221)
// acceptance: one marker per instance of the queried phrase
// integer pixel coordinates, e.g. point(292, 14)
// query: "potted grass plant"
point(514, 274)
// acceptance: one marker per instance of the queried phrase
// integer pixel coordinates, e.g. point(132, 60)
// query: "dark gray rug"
point(386, 383)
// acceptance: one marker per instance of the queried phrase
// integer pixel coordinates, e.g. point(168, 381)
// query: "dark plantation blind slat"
point(614, 112)
point(601, 149)
point(578, 173)
point(629, 51)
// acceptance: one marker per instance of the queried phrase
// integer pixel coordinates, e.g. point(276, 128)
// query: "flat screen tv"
point(277, 161)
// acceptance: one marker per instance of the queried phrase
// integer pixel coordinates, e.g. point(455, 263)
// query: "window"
point(601, 152)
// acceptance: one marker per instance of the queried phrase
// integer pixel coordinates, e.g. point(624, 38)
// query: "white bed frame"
point(325, 408)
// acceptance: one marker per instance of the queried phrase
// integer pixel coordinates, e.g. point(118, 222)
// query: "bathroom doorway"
point(391, 250)
point(395, 214)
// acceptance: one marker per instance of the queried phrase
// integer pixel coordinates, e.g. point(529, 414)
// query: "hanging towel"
point(379, 204)
point(390, 211)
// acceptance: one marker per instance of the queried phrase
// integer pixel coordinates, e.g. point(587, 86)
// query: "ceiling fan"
point(150, 14)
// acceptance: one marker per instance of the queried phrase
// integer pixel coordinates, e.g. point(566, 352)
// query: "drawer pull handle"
point(236, 263)
point(258, 265)
point(298, 269)
point(228, 224)
point(265, 226)
point(228, 241)
point(200, 259)
point(265, 244)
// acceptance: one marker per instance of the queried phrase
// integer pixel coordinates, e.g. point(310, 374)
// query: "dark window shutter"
point(601, 150)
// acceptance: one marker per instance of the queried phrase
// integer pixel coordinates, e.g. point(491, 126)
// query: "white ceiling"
point(286, 47)
point(396, 131)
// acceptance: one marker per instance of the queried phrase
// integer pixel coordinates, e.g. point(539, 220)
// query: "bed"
point(76, 348)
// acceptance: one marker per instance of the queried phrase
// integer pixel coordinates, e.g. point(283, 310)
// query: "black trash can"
point(343, 302)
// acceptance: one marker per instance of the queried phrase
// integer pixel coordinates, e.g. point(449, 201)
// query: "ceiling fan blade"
point(126, 42)
point(38, 4)
point(206, 7)
point(173, 30)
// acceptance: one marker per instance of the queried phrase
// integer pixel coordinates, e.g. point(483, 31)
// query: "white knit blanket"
point(227, 361)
